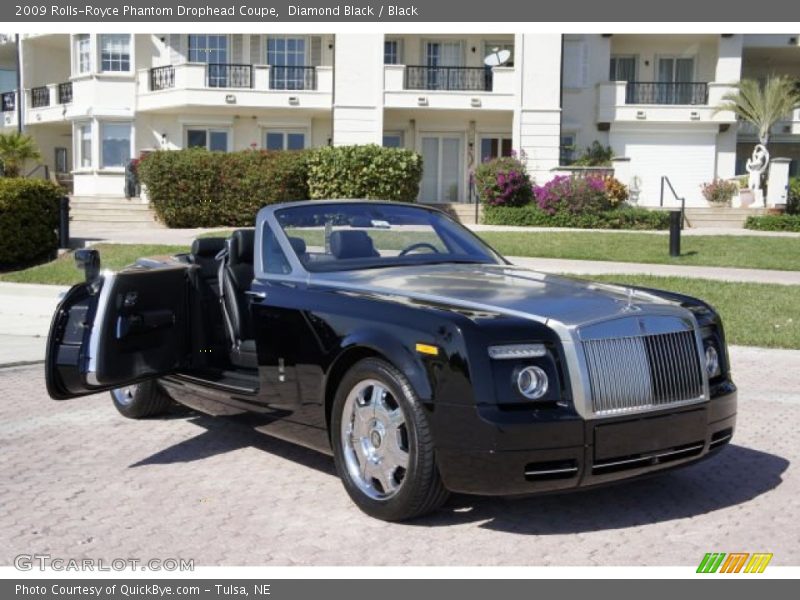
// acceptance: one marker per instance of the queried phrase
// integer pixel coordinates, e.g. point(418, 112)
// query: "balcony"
point(410, 86)
point(200, 84)
point(47, 103)
point(661, 102)
point(788, 126)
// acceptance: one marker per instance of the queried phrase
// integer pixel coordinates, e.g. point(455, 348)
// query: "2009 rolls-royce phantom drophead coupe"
point(395, 339)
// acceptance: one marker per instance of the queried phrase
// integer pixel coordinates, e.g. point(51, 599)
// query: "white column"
point(726, 153)
point(729, 59)
point(358, 89)
point(537, 114)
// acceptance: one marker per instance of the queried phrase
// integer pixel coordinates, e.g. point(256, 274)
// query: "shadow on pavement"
point(734, 476)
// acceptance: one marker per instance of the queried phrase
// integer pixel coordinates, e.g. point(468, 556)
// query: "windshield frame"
point(268, 217)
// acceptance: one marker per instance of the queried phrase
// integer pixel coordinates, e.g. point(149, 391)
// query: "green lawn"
point(62, 271)
point(782, 253)
point(754, 314)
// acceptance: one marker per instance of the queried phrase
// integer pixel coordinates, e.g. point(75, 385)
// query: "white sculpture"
point(756, 165)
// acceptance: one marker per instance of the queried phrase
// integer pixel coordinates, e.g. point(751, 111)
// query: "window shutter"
point(576, 64)
point(256, 56)
point(177, 44)
point(316, 51)
point(237, 49)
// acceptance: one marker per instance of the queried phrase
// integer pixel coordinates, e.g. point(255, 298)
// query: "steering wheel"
point(417, 246)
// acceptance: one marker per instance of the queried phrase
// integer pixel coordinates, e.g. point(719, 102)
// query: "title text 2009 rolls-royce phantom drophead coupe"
point(396, 339)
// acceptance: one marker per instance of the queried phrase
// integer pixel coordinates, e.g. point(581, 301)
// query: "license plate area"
point(648, 435)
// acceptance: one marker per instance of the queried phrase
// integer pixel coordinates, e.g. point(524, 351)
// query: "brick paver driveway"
point(78, 480)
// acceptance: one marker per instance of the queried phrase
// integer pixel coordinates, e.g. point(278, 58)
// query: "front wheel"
point(382, 445)
point(141, 400)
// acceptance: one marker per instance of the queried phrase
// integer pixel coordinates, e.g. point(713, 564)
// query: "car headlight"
point(712, 360)
point(532, 382)
point(512, 351)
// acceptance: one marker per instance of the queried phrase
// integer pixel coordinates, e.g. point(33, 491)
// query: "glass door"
point(442, 177)
point(213, 51)
point(286, 57)
point(443, 61)
point(675, 77)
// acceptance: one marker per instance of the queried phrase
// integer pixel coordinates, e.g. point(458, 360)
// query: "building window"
point(115, 52)
point(115, 145)
point(286, 57)
point(494, 147)
point(567, 149)
point(284, 140)
point(393, 139)
point(83, 154)
point(391, 52)
point(622, 68)
point(210, 139)
point(208, 49)
point(83, 53)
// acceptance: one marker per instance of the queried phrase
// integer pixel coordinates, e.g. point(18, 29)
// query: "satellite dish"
point(497, 58)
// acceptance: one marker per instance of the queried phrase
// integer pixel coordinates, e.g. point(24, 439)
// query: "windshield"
point(348, 236)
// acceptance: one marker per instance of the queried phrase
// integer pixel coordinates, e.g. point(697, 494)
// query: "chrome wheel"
point(124, 396)
point(374, 439)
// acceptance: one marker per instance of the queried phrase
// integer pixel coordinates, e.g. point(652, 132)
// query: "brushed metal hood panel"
point(561, 302)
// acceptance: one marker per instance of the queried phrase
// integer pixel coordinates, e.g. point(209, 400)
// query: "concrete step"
point(464, 213)
point(110, 206)
point(112, 218)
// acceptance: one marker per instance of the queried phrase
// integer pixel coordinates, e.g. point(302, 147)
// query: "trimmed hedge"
point(198, 188)
point(773, 223)
point(367, 171)
point(625, 217)
point(28, 220)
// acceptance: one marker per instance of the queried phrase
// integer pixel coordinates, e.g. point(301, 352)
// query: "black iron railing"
point(65, 92)
point(292, 78)
point(227, 75)
point(476, 79)
point(40, 97)
point(660, 92)
point(8, 101)
point(162, 78)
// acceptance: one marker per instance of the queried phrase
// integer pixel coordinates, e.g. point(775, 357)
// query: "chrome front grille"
point(636, 373)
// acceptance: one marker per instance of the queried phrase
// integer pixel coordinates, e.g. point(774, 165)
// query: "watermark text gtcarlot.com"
point(42, 562)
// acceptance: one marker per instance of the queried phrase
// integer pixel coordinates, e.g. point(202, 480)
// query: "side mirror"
point(88, 259)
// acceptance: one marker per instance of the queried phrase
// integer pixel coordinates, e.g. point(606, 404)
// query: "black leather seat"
point(236, 276)
point(352, 244)
point(204, 255)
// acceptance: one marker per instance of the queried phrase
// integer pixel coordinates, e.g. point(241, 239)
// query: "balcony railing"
point(474, 79)
point(8, 101)
point(40, 97)
point(292, 78)
point(65, 92)
point(224, 75)
point(658, 92)
point(162, 78)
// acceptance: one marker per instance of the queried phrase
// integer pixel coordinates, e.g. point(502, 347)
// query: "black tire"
point(141, 400)
point(421, 490)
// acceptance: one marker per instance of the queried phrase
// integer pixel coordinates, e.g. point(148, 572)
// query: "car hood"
point(561, 302)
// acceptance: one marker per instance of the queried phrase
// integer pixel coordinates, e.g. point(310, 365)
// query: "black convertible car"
point(396, 339)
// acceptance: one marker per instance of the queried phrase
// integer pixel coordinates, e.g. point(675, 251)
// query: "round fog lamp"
point(532, 382)
point(712, 361)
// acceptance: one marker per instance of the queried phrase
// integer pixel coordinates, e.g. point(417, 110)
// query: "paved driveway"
point(81, 481)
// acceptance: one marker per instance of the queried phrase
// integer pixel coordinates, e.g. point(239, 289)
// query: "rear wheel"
point(382, 444)
point(141, 400)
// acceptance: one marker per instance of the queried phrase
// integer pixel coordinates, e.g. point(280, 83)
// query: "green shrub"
point(774, 223)
point(573, 195)
point(595, 155)
point(793, 201)
point(198, 188)
point(28, 220)
point(367, 171)
point(530, 215)
point(503, 181)
point(719, 191)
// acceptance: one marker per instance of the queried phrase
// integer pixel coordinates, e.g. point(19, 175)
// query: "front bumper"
point(524, 453)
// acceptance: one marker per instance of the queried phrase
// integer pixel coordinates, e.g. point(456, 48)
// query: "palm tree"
point(762, 105)
point(15, 149)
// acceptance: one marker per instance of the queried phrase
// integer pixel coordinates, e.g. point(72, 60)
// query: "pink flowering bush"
point(503, 181)
point(573, 195)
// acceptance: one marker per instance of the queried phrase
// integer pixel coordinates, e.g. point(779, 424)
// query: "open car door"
point(118, 329)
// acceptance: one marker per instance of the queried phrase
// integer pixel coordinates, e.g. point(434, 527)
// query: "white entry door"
point(442, 168)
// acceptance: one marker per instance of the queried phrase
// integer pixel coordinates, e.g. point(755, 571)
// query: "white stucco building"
point(93, 101)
